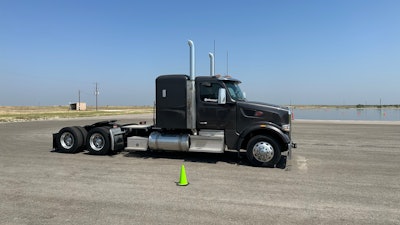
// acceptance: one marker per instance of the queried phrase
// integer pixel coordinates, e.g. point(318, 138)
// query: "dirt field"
point(31, 113)
point(341, 173)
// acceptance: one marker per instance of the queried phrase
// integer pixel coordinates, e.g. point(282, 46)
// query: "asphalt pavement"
point(341, 173)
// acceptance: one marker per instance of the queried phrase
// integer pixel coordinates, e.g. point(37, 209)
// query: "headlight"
point(286, 127)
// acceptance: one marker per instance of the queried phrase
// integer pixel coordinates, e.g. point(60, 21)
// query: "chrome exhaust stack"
point(212, 62)
point(191, 95)
point(192, 69)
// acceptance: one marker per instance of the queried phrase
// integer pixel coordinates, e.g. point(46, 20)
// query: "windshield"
point(234, 91)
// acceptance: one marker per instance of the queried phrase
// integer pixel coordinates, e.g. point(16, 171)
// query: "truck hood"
point(259, 111)
point(261, 105)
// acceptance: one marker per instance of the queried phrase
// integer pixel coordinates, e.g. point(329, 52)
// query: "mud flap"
point(282, 162)
point(54, 141)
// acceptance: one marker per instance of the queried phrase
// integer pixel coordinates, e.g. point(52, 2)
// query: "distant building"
point(79, 106)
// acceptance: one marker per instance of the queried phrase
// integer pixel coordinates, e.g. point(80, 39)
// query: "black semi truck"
point(196, 114)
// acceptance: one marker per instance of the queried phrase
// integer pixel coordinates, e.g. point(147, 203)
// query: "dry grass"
point(26, 113)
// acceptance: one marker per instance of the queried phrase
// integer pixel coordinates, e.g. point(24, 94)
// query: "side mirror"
point(222, 96)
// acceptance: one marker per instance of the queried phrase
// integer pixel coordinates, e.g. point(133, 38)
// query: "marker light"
point(258, 113)
point(286, 127)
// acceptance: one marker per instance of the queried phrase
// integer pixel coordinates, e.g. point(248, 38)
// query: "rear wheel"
point(98, 141)
point(69, 140)
point(263, 151)
point(83, 135)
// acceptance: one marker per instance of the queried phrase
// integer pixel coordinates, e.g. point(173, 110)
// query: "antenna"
point(227, 63)
point(214, 57)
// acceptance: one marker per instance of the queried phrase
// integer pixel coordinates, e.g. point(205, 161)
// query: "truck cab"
point(221, 110)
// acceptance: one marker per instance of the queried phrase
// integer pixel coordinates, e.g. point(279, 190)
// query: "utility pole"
point(79, 100)
point(96, 92)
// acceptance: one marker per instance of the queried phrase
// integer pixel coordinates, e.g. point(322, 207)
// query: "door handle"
point(203, 122)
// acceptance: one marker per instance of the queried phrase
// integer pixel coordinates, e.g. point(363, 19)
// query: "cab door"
point(210, 114)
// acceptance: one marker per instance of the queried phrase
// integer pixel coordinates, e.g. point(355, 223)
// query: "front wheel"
point(98, 141)
point(263, 151)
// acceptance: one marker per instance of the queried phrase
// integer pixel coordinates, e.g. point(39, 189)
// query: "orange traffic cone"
point(182, 180)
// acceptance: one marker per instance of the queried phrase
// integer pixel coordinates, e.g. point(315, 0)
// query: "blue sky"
point(299, 52)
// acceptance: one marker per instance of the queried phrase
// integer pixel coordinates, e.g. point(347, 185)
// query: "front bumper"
point(291, 146)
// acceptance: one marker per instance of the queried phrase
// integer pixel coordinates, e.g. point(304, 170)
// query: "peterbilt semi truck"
point(193, 114)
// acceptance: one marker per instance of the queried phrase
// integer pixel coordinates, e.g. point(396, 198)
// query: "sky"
point(329, 52)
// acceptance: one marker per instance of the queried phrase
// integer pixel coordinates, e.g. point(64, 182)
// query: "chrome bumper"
point(291, 146)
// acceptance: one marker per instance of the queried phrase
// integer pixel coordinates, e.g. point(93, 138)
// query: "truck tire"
point(98, 141)
point(84, 136)
point(69, 140)
point(263, 151)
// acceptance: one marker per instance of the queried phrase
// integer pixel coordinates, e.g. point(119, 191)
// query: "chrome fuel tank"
point(173, 142)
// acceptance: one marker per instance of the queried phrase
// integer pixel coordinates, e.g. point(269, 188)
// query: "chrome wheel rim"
point(97, 142)
point(263, 151)
point(67, 140)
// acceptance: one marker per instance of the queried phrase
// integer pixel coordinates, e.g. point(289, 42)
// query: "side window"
point(232, 92)
point(209, 92)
